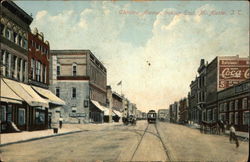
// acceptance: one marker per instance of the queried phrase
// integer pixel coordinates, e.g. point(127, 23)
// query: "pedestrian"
point(60, 122)
point(233, 135)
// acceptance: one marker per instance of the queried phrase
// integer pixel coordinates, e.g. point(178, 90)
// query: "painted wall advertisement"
point(232, 72)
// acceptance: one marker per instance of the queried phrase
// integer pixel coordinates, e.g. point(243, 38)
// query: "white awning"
point(98, 105)
point(7, 95)
point(117, 113)
point(25, 92)
point(48, 94)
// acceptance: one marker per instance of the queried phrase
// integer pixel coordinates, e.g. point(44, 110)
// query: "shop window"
point(244, 103)
point(40, 117)
point(246, 118)
point(3, 113)
point(231, 118)
point(73, 92)
point(236, 118)
point(21, 116)
point(57, 91)
point(221, 107)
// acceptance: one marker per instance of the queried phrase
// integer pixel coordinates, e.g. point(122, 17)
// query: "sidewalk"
point(25, 136)
point(244, 135)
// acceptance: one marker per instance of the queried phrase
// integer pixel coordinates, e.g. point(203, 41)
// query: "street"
point(160, 142)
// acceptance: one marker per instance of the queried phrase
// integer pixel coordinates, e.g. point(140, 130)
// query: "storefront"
point(22, 108)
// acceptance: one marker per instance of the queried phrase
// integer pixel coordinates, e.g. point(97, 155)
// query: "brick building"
point(234, 103)
point(194, 110)
point(80, 79)
point(18, 99)
point(183, 110)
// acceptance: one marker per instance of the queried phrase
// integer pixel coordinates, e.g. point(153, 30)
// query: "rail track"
point(157, 134)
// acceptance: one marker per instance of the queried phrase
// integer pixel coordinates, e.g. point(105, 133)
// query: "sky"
point(153, 47)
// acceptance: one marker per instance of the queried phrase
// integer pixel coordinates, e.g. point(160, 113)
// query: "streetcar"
point(151, 116)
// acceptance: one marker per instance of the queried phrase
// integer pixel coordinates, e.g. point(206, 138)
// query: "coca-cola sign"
point(231, 72)
point(234, 73)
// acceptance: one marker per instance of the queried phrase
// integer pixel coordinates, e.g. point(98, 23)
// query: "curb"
point(38, 138)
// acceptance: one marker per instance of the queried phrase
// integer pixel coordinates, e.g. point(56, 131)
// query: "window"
point(221, 107)
point(215, 114)
point(38, 71)
point(86, 103)
point(7, 64)
point(15, 37)
point(8, 34)
point(236, 118)
point(231, 106)
point(40, 117)
point(74, 69)
point(244, 103)
point(231, 118)
point(246, 118)
point(19, 40)
point(1, 28)
point(73, 109)
point(57, 91)
point(25, 43)
point(58, 70)
point(32, 69)
point(225, 106)
point(21, 116)
point(45, 74)
point(3, 113)
point(236, 105)
point(73, 92)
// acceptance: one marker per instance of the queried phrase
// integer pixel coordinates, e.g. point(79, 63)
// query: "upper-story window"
point(8, 34)
point(236, 104)
point(74, 69)
point(1, 28)
point(57, 91)
point(73, 92)
point(58, 70)
point(225, 106)
point(231, 105)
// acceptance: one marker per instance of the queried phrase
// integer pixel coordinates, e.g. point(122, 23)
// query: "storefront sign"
point(232, 72)
point(74, 115)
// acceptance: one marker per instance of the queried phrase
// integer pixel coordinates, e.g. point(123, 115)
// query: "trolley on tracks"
point(152, 116)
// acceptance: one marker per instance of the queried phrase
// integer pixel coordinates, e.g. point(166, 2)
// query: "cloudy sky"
point(153, 47)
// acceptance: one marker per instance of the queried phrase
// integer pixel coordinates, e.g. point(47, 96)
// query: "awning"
point(117, 113)
point(7, 95)
point(98, 105)
point(48, 94)
point(26, 93)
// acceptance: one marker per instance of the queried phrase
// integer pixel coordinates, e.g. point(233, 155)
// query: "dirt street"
point(120, 143)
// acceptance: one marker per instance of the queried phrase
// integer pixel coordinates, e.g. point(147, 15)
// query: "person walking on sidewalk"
point(60, 122)
point(233, 135)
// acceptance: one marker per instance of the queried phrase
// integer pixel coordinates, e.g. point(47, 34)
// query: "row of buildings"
point(221, 91)
point(39, 85)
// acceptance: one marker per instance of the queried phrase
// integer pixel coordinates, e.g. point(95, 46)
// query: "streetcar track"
point(166, 150)
point(139, 143)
